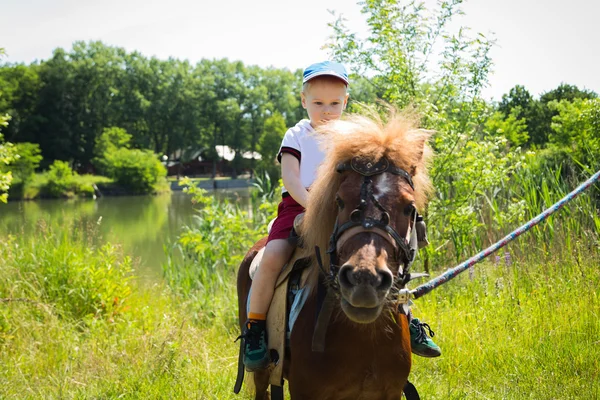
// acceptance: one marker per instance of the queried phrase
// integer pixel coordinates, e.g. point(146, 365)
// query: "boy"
point(324, 96)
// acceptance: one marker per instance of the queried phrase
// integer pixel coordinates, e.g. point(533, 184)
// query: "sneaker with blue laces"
point(256, 352)
point(420, 342)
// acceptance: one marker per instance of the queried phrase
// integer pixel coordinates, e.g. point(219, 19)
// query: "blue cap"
point(330, 68)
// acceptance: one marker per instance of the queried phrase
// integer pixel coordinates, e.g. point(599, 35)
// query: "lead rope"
point(405, 295)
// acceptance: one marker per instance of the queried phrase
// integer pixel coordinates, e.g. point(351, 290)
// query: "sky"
point(540, 44)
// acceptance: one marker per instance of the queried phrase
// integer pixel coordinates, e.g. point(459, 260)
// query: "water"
point(143, 225)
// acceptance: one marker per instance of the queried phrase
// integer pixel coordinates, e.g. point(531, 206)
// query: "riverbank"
point(78, 186)
point(219, 183)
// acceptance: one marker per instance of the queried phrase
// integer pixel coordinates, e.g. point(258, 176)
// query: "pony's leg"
point(261, 384)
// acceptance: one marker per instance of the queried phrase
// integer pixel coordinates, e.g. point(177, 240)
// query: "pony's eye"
point(339, 202)
point(409, 210)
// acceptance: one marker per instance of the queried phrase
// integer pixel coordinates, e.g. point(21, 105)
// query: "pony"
point(361, 211)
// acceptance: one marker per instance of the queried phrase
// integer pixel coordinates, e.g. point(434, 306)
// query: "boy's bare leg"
point(276, 254)
point(256, 355)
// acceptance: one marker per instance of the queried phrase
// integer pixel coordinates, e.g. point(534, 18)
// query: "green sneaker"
point(421, 344)
point(256, 353)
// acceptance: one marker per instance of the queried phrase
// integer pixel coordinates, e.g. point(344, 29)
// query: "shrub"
point(27, 161)
point(137, 170)
point(61, 180)
point(66, 272)
point(215, 245)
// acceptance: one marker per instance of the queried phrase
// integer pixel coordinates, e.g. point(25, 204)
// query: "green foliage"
point(214, 246)
point(26, 162)
point(538, 114)
point(6, 156)
point(266, 188)
point(109, 141)
point(511, 127)
point(576, 128)
point(61, 180)
point(64, 272)
point(65, 103)
point(398, 53)
point(269, 143)
point(137, 170)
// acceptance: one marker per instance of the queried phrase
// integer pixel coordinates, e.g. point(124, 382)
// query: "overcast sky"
point(540, 43)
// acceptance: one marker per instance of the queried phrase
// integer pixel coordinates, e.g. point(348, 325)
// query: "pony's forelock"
point(366, 136)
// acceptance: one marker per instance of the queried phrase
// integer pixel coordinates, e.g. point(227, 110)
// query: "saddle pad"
point(276, 318)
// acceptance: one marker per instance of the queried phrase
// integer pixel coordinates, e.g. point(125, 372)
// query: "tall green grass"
point(528, 329)
point(74, 324)
point(525, 325)
point(535, 186)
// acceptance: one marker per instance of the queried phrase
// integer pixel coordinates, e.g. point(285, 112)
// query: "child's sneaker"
point(256, 353)
point(421, 344)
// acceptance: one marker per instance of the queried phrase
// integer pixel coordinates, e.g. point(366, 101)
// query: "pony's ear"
point(419, 144)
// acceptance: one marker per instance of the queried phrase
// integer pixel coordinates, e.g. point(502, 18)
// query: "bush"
point(26, 162)
point(137, 170)
point(6, 156)
point(66, 272)
point(61, 180)
point(215, 245)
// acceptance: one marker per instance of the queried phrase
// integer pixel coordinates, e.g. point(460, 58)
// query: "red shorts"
point(287, 211)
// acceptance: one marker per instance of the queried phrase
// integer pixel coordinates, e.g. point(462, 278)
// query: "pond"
point(143, 225)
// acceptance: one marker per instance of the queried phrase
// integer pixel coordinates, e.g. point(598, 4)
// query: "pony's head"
point(363, 204)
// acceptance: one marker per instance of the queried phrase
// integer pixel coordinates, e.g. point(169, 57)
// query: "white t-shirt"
point(301, 142)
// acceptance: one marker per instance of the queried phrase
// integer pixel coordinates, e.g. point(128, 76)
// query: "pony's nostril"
point(346, 276)
point(385, 280)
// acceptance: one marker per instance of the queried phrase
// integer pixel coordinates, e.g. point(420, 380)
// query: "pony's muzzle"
point(363, 287)
point(381, 280)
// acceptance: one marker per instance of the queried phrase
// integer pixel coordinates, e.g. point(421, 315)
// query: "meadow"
point(76, 323)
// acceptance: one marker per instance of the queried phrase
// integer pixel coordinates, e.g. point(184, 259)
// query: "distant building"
point(194, 162)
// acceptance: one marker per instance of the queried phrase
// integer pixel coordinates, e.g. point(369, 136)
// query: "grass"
point(75, 324)
point(155, 344)
point(526, 330)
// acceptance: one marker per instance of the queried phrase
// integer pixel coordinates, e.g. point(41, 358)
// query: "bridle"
point(404, 250)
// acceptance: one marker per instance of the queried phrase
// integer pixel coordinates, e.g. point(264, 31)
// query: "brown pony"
point(367, 352)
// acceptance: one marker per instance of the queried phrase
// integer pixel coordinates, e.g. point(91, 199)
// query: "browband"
point(366, 167)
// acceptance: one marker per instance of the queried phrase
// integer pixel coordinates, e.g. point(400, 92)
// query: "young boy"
point(324, 96)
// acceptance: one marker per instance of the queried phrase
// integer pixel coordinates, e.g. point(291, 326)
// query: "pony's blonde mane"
point(366, 136)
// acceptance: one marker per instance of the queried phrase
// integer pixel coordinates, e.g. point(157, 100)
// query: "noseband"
point(404, 250)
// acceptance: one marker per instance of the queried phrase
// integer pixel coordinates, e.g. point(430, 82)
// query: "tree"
point(28, 160)
point(415, 62)
point(512, 128)
point(537, 114)
point(269, 142)
point(517, 98)
point(567, 92)
point(576, 129)
point(6, 156)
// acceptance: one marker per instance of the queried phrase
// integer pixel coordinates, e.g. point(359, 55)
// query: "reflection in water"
point(141, 224)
